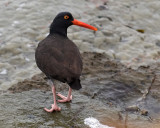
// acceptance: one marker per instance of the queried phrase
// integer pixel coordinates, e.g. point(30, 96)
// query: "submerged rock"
point(144, 112)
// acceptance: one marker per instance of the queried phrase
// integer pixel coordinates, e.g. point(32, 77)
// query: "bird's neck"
point(54, 29)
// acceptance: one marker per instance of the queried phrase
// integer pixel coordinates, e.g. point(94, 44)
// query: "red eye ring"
point(66, 17)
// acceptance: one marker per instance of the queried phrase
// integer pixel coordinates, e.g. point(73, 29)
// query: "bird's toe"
point(64, 99)
point(54, 108)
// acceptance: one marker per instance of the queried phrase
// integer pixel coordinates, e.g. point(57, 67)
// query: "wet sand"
point(112, 93)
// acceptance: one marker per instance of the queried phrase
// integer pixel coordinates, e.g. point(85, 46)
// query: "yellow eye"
point(66, 17)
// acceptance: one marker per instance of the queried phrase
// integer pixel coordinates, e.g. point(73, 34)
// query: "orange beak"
point(82, 24)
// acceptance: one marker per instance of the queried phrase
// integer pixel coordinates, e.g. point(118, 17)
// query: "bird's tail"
point(75, 84)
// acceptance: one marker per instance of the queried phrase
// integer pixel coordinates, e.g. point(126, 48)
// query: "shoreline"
point(119, 89)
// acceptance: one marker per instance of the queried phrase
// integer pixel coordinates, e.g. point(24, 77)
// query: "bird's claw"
point(54, 108)
point(64, 99)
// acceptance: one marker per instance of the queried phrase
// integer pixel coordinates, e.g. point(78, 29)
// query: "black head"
point(64, 19)
point(61, 22)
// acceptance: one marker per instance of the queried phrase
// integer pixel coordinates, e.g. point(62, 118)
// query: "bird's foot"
point(64, 99)
point(54, 108)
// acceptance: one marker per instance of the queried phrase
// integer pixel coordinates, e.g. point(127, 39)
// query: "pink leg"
point(54, 106)
point(65, 99)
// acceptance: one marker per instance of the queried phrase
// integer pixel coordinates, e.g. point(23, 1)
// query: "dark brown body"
point(59, 58)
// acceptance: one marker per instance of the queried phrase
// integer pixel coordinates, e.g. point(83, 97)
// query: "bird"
point(59, 58)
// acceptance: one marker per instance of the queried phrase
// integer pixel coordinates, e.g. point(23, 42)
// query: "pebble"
point(144, 112)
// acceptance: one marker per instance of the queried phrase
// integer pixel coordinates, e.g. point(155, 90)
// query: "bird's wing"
point(61, 62)
point(68, 59)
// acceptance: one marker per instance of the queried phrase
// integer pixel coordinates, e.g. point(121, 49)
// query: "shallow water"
point(128, 32)
point(22, 25)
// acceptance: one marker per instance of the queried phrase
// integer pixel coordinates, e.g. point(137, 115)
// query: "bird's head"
point(65, 19)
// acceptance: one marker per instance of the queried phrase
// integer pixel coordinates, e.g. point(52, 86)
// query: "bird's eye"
point(66, 17)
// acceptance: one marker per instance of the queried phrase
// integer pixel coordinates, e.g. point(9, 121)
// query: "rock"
point(109, 83)
point(158, 43)
point(144, 112)
point(101, 7)
point(25, 110)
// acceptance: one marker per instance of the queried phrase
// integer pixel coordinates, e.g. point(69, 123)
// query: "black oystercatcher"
point(59, 58)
